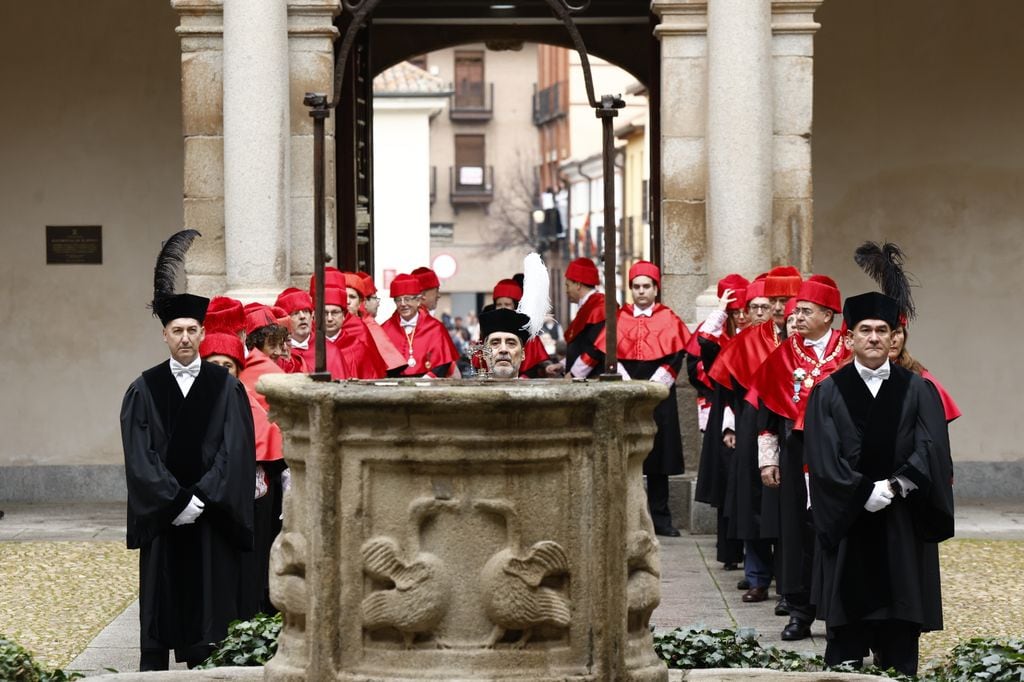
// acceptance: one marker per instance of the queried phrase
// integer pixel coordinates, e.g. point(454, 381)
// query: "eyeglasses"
point(340, 312)
point(759, 308)
point(402, 300)
point(373, 298)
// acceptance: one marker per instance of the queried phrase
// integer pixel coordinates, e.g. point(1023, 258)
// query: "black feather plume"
point(168, 267)
point(884, 264)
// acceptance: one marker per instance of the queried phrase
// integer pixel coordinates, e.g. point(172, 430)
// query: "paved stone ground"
point(695, 588)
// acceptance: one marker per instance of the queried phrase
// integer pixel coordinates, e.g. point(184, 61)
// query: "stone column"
point(793, 29)
point(683, 36)
point(256, 148)
point(201, 33)
point(739, 139)
point(311, 36)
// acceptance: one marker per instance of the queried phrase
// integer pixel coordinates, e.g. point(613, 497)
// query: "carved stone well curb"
point(465, 530)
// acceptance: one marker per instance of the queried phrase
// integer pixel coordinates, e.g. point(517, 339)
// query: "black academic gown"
point(882, 565)
point(666, 455)
point(176, 447)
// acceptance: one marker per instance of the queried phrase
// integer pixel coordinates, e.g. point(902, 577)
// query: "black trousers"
point(657, 500)
point(894, 644)
point(800, 605)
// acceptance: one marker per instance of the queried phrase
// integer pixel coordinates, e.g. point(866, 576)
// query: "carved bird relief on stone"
point(513, 582)
point(415, 595)
point(643, 582)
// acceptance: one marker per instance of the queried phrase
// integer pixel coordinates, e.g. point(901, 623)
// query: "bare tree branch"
point(511, 222)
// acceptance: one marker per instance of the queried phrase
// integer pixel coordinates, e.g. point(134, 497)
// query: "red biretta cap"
point(647, 269)
point(584, 271)
point(784, 280)
point(738, 284)
point(293, 300)
point(220, 343)
point(427, 277)
point(507, 288)
point(224, 314)
point(821, 290)
point(406, 285)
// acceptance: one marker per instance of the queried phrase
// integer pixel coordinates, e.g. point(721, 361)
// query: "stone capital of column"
point(313, 18)
point(681, 17)
point(795, 16)
point(200, 20)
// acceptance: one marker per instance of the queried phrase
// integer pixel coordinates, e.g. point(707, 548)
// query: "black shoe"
point(782, 607)
point(667, 531)
point(796, 629)
point(729, 566)
point(743, 584)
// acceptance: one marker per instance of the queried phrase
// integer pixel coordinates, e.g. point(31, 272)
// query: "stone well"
point(465, 530)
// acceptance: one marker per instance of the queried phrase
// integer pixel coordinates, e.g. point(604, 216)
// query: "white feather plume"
point(536, 301)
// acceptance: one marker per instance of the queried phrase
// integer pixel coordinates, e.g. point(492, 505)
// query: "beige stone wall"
point(918, 139)
point(90, 133)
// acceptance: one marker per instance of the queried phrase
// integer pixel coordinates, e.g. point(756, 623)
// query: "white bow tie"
point(301, 345)
point(880, 373)
point(819, 343)
point(180, 370)
point(409, 323)
point(639, 312)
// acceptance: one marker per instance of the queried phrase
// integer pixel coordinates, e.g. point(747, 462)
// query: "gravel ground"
point(55, 597)
point(981, 594)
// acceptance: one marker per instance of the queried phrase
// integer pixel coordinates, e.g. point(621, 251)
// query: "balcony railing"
point(547, 103)
point(472, 102)
point(471, 184)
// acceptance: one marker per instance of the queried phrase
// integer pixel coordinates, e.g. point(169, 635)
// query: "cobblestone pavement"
point(978, 591)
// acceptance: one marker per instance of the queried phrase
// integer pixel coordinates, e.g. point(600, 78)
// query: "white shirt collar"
point(334, 338)
point(819, 345)
point(643, 312)
point(302, 345)
point(409, 323)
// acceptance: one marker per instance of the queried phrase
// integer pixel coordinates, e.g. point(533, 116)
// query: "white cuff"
point(767, 450)
point(907, 485)
point(580, 369)
point(715, 323)
point(703, 412)
point(728, 420)
point(663, 376)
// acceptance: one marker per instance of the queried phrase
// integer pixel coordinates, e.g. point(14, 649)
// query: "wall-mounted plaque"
point(74, 244)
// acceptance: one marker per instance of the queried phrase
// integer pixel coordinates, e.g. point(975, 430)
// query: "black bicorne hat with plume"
point(884, 264)
point(166, 304)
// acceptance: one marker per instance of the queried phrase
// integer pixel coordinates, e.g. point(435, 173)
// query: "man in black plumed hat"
point(504, 335)
point(189, 454)
point(877, 450)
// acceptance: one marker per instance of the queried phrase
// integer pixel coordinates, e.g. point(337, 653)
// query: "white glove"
point(881, 497)
point(664, 377)
point(286, 480)
point(190, 513)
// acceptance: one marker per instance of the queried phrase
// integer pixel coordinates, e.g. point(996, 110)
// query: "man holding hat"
point(651, 347)
point(190, 467)
point(423, 341)
point(581, 355)
point(504, 336)
point(877, 450)
point(780, 389)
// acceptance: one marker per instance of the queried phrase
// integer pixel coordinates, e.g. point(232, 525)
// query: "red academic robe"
point(653, 349)
point(268, 434)
point(335, 366)
point(583, 332)
point(293, 364)
point(256, 365)
point(693, 350)
point(390, 354)
point(744, 354)
point(776, 385)
point(428, 350)
point(359, 353)
point(534, 355)
point(949, 406)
